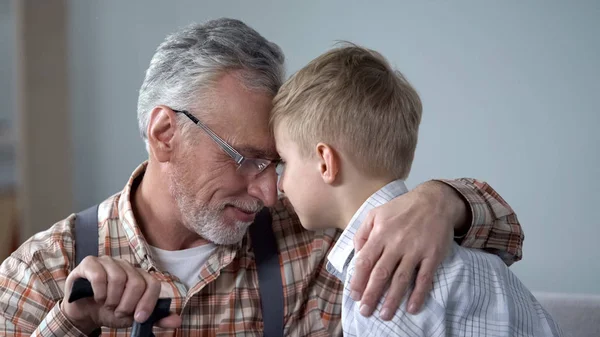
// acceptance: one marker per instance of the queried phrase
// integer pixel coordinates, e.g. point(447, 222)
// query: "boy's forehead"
point(280, 134)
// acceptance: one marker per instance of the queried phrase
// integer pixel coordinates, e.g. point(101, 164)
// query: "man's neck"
point(157, 215)
point(353, 194)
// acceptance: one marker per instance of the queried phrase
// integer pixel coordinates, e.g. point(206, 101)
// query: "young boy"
point(346, 128)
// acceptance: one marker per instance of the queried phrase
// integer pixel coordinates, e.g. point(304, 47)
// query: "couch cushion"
point(577, 315)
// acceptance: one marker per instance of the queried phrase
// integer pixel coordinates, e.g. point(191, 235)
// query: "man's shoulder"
point(300, 248)
point(58, 241)
point(52, 245)
point(311, 292)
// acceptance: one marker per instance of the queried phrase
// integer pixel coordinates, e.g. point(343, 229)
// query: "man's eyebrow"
point(253, 152)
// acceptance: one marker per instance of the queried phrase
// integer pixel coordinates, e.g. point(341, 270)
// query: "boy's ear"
point(329, 162)
point(161, 132)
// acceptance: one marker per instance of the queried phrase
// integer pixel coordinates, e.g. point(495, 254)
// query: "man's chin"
point(228, 232)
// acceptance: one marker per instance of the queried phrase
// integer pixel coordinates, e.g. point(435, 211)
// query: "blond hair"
point(351, 98)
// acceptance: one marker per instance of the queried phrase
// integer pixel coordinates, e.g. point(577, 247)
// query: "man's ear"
point(329, 163)
point(161, 132)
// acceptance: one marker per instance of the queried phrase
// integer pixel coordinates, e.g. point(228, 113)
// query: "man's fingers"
point(93, 271)
point(172, 321)
point(362, 234)
point(116, 279)
point(423, 285)
point(380, 275)
point(364, 263)
point(148, 301)
point(400, 283)
point(134, 289)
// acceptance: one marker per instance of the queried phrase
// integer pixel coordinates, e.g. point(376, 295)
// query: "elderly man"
point(179, 228)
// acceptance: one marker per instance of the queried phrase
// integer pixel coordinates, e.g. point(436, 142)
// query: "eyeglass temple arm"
point(223, 144)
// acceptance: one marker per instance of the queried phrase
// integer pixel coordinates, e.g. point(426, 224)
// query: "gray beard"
point(208, 222)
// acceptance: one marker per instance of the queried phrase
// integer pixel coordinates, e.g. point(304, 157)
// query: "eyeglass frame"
point(259, 164)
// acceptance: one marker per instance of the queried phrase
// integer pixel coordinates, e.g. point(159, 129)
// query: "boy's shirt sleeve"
point(494, 225)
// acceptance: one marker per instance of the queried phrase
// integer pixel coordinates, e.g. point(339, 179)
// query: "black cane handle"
point(82, 288)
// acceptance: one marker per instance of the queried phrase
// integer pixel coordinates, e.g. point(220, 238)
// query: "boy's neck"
point(353, 194)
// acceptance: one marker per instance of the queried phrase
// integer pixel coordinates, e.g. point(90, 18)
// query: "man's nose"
point(264, 187)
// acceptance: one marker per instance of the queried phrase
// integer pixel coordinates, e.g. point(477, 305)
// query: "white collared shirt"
point(474, 293)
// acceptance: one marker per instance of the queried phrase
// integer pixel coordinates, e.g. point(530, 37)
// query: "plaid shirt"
point(225, 301)
point(473, 293)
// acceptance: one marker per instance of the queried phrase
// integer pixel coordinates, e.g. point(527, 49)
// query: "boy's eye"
point(280, 168)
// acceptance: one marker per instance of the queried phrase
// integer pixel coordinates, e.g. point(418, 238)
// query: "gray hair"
point(194, 57)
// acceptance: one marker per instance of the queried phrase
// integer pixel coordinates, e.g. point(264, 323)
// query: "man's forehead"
point(252, 139)
point(242, 117)
point(251, 151)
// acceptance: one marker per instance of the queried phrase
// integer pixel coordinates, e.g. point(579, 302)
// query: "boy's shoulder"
point(467, 269)
point(470, 256)
point(464, 263)
point(467, 281)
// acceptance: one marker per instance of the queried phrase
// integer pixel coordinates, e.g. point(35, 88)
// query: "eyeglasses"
point(245, 166)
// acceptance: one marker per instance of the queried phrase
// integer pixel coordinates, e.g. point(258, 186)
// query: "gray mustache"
point(249, 206)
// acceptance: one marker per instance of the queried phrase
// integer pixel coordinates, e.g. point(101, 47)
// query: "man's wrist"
point(88, 327)
point(452, 205)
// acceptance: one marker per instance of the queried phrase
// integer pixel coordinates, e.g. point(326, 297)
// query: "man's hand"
point(122, 293)
point(413, 231)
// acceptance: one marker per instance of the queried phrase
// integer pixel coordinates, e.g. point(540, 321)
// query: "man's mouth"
point(241, 214)
point(247, 211)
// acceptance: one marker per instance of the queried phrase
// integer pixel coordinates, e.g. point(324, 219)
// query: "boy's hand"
point(407, 236)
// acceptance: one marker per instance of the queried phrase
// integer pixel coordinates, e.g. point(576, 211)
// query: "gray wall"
point(7, 100)
point(7, 50)
point(509, 89)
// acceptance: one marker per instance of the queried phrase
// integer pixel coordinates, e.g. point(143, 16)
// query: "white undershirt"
point(185, 264)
